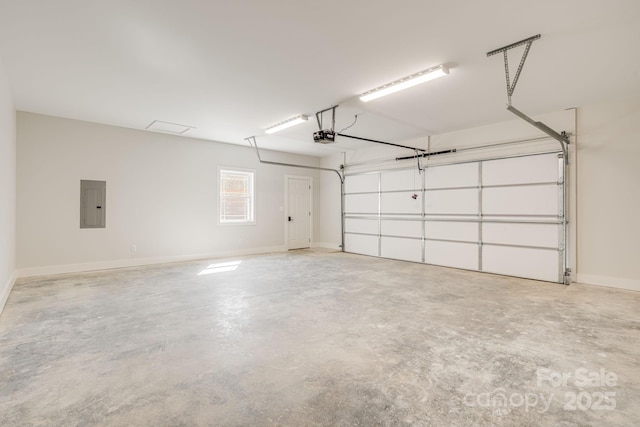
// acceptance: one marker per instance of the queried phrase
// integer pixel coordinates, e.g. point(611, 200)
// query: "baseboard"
point(6, 290)
point(325, 245)
point(137, 262)
point(611, 282)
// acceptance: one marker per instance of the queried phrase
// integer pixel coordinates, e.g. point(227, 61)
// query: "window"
point(236, 197)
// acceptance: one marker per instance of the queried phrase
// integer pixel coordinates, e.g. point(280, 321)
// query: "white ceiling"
point(232, 68)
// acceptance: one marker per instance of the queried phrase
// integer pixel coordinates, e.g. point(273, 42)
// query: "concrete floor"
point(316, 338)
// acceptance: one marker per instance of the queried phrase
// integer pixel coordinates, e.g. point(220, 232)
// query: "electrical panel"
point(93, 209)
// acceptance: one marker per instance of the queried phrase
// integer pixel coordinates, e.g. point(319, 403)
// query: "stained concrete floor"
point(316, 338)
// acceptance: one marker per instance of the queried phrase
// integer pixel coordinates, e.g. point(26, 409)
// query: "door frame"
point(286, 207)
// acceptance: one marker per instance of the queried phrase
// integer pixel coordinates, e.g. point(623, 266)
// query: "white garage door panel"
point(521, 170)
point(532, 263)
point(400, 180)
point(400, 203)
point(402, 228)
point(361, 183)
point(404, 249)
point(452, 230)
point(534, 200)
point(463, 175)
point(452, 201)
point(512, 213)
point(358, 244)
point(545, 235)
point(368, 226)
point(361, 203)
point(458, 255)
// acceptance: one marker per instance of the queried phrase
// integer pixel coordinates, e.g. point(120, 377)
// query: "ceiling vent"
point(166, 127)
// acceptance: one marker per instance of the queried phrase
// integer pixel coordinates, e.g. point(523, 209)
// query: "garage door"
point(503, 216)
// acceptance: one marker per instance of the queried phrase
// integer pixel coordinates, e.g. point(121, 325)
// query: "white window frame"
point(252, 174)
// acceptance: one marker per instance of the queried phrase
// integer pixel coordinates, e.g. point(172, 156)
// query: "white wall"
point(7, 189)
point(161, 196)
point(609, 193)
point(329, 213)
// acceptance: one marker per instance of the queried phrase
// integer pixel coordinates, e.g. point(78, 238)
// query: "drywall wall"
point(608, 195)
point(330, 210)
point(161, 196)
point(7, 189)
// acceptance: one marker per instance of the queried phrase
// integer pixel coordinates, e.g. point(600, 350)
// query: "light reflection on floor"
point(220, 267)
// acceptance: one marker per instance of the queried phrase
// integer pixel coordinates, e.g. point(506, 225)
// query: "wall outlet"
point(134, 249)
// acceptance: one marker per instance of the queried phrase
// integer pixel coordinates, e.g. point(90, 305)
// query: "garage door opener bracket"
point(562, 138)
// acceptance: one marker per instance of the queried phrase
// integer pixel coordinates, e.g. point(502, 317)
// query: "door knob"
point(290, 219)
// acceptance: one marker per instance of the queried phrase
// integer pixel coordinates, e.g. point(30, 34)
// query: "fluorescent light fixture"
point(405, 83)
point(287, 124)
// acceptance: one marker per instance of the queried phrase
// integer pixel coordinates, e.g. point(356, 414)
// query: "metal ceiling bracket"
point(562, 138)
point(319, 117)
point(511, 86)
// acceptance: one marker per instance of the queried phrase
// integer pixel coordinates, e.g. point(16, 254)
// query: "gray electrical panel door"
point(93, 197)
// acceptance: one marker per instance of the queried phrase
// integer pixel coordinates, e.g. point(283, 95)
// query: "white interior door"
point(298, 215)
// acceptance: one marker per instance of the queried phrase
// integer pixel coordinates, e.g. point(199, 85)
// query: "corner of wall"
point(6, 290)
point(8, 178)
point(608, 168)
point(609, 282)
point(326, 245)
